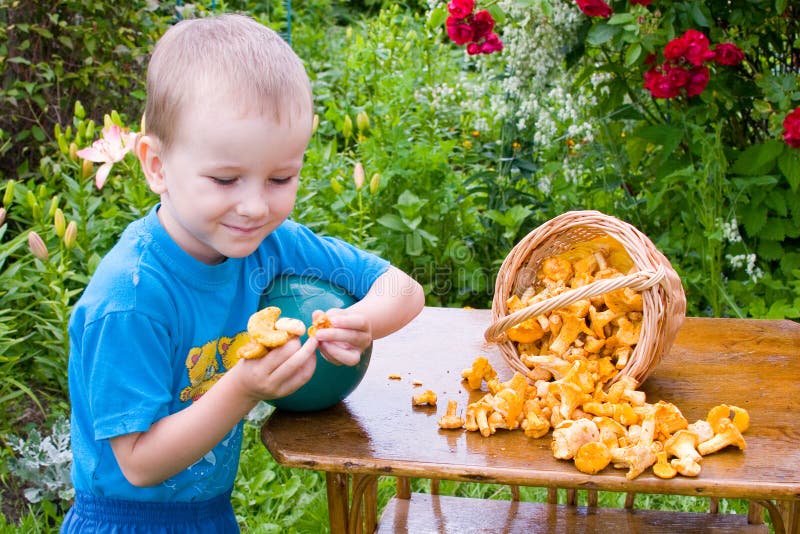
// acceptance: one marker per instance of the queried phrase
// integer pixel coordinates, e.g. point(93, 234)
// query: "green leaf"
point(781, 5)
point(789, 164)
point(414, 244)
point(437, 16)
point(773, 230)
point(699, 17)
point(618, 19)
point(790, 262)
point(770, 250)
point(393, 222)
point(758, 159)
point(38, 134)
point(632, 54)
point(753, 218)
point(601, 34)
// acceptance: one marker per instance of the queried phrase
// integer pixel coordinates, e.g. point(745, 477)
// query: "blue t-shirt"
point(155, 328)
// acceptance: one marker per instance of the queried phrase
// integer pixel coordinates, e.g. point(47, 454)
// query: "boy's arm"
point(179, 440)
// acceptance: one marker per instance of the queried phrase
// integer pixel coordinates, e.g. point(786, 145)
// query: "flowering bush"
point(474, 29)
point(679, 116)
point(685, 71)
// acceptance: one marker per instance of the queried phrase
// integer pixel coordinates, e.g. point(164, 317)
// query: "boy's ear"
point(148, 150)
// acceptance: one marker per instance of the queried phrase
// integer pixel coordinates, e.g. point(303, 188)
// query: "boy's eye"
point(281, 179)
point(222, 181)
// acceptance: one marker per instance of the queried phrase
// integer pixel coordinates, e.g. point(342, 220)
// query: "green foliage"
point(393, 72)
point(38, 293)
point(54, 54)
point(708, 177)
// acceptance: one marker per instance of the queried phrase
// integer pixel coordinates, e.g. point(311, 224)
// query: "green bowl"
point(298, 297)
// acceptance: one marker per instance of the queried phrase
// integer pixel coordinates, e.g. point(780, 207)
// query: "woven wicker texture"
point(663, 299)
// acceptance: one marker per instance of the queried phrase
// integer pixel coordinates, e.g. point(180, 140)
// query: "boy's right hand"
point(281, 372)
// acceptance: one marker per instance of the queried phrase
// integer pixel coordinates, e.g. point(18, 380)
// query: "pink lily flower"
point(109, 149)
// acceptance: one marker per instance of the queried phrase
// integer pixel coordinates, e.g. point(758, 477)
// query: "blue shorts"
point(100, 515)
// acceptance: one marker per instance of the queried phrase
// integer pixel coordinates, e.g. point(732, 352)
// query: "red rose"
point(641, 2)
point(595, 8)
point(482, 25)
point(791, 128)
point(675, 49)
point(461, 8)
point(473, 49)
point(697, 48)
point(458, 31)
point(678, 76)
point(728, 54)
point(697, 81)
point(658, 84)
point(491, 44)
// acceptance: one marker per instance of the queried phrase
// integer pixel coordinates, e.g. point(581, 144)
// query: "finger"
point(343, 319)
point(340, 353)
point(355, 338)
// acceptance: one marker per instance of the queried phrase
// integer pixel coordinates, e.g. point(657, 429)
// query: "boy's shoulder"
point(133, 275)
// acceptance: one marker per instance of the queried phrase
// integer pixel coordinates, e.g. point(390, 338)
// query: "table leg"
point(790, 510)
point(338, 507)
point(364, 504)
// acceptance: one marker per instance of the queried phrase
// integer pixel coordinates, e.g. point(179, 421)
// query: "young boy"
point(156, 412)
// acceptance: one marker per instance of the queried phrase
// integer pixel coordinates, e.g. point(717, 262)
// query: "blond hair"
point(232, 57)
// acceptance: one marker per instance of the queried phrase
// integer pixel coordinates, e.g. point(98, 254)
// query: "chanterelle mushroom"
point(683, 445)
point(570, 435)
point(451, 420)
point(636, 458)
point(727, 434)
point(592, 457)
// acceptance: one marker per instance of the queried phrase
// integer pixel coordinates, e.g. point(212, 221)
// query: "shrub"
point(57, 53)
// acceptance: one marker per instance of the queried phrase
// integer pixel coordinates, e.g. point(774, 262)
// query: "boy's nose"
point(254, 203)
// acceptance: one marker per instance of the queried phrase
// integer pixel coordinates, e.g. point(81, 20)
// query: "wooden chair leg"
point(790, 511)
point(552, 495)
point(713, 505)
point(572, 497)
point(755, 513)
point(591, 498)
point(629, 498)
point(403, 488)
point(434, 486)
point(514, 493)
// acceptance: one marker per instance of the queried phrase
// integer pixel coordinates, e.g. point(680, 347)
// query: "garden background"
point(436, 156)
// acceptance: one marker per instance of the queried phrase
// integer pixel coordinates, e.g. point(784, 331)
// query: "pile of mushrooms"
point(594, 427)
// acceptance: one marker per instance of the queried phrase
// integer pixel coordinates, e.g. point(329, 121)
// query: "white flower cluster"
point(536, 82)
point(748, 261)
point(730, 231)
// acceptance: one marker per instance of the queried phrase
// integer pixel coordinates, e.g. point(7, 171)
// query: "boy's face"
point(229, 179)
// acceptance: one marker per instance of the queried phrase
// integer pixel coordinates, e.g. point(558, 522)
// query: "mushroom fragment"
point(426, 397)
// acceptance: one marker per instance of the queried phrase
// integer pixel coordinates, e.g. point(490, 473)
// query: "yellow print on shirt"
point(203, 366)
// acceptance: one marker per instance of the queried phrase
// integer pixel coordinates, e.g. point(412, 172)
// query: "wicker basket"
point(663, 299)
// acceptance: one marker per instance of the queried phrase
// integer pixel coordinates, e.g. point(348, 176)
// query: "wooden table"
point(754, 364)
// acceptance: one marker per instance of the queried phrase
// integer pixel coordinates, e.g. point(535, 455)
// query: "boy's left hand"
point(348, 336)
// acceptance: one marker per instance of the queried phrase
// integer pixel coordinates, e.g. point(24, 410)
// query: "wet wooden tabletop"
point(754, 364)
